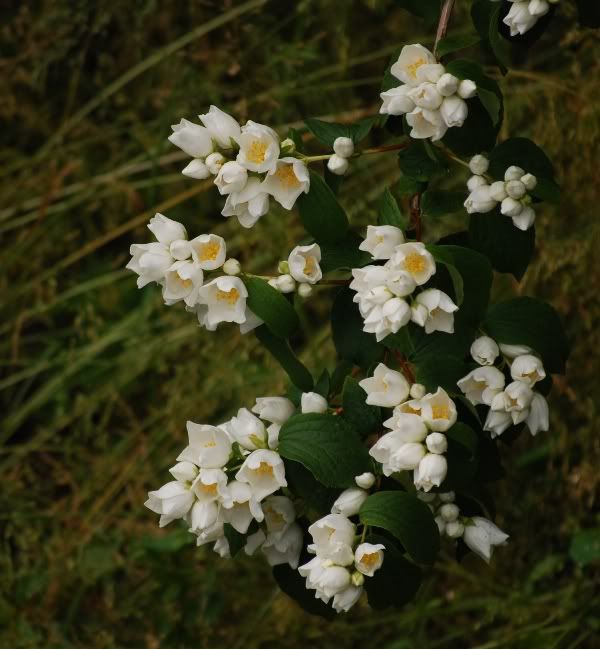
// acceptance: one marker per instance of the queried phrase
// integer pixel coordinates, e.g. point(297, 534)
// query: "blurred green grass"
point(97, 378)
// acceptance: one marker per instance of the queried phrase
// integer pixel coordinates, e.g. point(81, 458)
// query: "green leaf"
point(397, 581)
point(322, 385)
point(493, 234)
point(427, 9)
point(477, 134)
point(407, 518)
point(417, 162)
point(328, 132)
point(585, 546)
point(408, 186)
point(486, 18)
point(364, 418)
point(326, 445)
point(321, 214)
point(296, 137)
point(461, 456)
point(294, 586)
point(436, 203)
point(455, 43)
point(435, 371)
point(546, 190)
point(416, 345)
point(351, 342)
point(303, 484)
point(523, 153)
point(529, 321)
point(389, 212)
point(344, 254)
point(236, 540)
point(271, 306)
point(280, 349)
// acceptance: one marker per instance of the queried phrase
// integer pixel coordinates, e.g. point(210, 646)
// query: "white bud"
point(286, 284)
point(232, 267)
point(417, 391)
point(214, 162)
point(337, 165)
point(343, 146)
point(538, 7)
point(449, 512)
point(478, 164)
point(530, 181)
point(475, 181)
point(365, 480)
point(498, 190)
point(447, 85)
point(484, 350)
point(525, 219)
point(349, 502)
point(180, 249)
point(283, 267)
point(514, 173)
point(467, 89)
point(454, 529)
point(304, 290)
point(288, 146)
point(313, 402)
point(511, 207)
point(515, 189)
point(436, 443)
point(274, 282)
point(196, 169)
point(358, 579)
point(447, 497)
point(439, 521)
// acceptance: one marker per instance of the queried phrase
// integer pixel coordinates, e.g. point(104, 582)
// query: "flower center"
point(413, 67)
point(287, 177)
point(410, 410)
point(257, 151)
point(414, 263)
point(231, 297)
point(185, 283)
point(369, 560)
point(209, 489)
point(264, 469)
point(210, 443)
point(310, 265)
point(440, 412)
point(533, 375)
point(209, 251)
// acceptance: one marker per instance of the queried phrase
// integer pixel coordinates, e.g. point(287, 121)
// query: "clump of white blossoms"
point(301, 270)
point(479, 534)
point(511, 193)
point(524, 14)
point(180, 266)
point(391, 295)
point(513, 402)
point(432, 99)
point(343, 149)
point(249, 163)
point(416, 442)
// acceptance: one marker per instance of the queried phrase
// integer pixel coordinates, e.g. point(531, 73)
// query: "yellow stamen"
point(264, 469)
point(440, 412)
point(409, 410)
point(185, 283)
point(209, 489)
point(257, 152)
point(310, 265)
point(413, 67)
point(533, 375)
point(414, 263)
point(231, 297)
point(369, 560)
point(210, 443)
point(287, 177)
point(209, 251)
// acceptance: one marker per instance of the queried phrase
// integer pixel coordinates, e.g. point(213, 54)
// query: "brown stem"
point(445, 14)
point(415, 215)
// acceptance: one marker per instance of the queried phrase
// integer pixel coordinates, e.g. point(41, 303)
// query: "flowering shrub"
point(350, 483)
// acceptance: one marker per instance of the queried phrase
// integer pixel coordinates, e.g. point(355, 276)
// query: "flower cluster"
point(416, 441)
point(382, 291)
point(479, 534)
point(246, 162)
point(179, 265)
point(511, 193)
point(343, 148)
point(509, 404)
point(432, 99)
point(302, 267)
point(524, 14)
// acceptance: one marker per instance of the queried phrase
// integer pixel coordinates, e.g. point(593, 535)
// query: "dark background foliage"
point(98, 378)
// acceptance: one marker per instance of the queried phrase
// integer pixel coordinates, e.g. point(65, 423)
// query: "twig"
point(445, 14)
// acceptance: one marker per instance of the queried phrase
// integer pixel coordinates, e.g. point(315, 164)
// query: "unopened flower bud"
point(286, 284)
point(454, 529)
point(441, 523)
point(214, 162)
point(511, 207)
point(304, 290)
point(417, 391)
point(447, 85)
point(447, 497)
point(449, 512)
point(343, 146)
point(513, 173)
point(467, 89)
point(337, 165)
point(288, 146)
point(232, 267)
point(515, 189)
point(180, 249)
point(358, 579)
point(283, 267)
point(538, 7)
point(436, 443)
point(479, 164)
point(475, 181)
point(530, 181)
point(196, 169)
point(498, 190)
point(313, 402)
point(365, 480)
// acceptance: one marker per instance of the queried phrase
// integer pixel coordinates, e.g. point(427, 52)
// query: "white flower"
point(221, 547)
point(512, 351)
point(277, 410)
point(431, 472)
point(279, 513)
point(273, 435)
point(184, 471)
point(254, 541)
point(447, 85)
point(438, 411)
point(191, 138)
point(173, 500)
point(408, 425)
point(304, 264)
point(343, 146)
point(210, 485)
point(530, 181)
point(515, 399)
point(283, 283)
point(497, 421)
point(479, 164)
point(249, 204)
point(524, 219)
point(196, 169)
point(242, 507)
point(527, 368)
point(247, 430)
point(480, 201)
point(225, 299)
point(426, 124)
point(212, 533)
point(426, 95)
point(232, 267)
point(264, 471)
point(388, 318)
point(222, 127)
point(214, 162)
point(396, 454)
point(328, 580)
point(513, 173)
point(519, 19)
point(232, 178)
point(304, 290)
point(411, 58)
point(337, 165)
point(436, 443)
point(498, 191)
point(208, 251)
point(251, 322)
point(368, 558)
point(203, 515)
point(466, 89)
point(313, 402)
point(515, 189)
point(349, 501)
point(259, 147)
point(386, 388)
point(150, 261)
point(400, 282)
point(396, 101)
point(333, 537)
point(484, 350)
point(416, 260)
point(367, 278)
point(288, 180)
point(365, 480)
point(208, 446)
point(440, 310)
point(381, 240)
point(182, 282)
point(481, 385)
point(537, 419)
point(539, 7)
point(285, 548)
point(511, 207)
point(474, 182)
point(180, 249)
point(454, 111)
point(346, 599)
point(165, 229)
point(482, 536)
